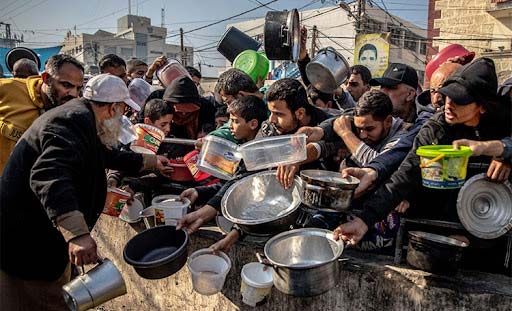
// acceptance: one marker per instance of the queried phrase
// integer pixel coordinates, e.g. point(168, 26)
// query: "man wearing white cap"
point(53, 191)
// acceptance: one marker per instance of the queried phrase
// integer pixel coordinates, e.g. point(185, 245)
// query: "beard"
point(110, 129)
point(53, 96)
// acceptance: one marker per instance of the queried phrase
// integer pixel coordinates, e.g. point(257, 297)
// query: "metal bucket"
point(282, 35)
point(234, 42)
point(101, 284)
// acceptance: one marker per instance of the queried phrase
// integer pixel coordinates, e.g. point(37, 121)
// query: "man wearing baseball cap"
point(399, 82)
point(471, 112)
point(53, 191)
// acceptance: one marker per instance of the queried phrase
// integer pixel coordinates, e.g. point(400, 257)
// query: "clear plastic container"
point(219, 157)
point(273, 151)
point(256, 284)
point(171, 71)
point(208, 271)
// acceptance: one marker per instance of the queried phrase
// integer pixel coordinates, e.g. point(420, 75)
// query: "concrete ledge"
point(367, 282)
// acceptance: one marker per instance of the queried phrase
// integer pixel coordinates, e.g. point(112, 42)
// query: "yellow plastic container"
point(443, 167)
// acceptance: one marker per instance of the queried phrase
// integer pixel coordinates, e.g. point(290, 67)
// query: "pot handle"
point(263, 260)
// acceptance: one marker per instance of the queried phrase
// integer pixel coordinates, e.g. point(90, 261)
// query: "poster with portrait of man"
point(372, 51)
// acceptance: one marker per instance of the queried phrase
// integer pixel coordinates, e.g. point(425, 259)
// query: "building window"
point(109, 50)
point(140, 43)
point(156, 52)
point(126, 52)
point(423, 48)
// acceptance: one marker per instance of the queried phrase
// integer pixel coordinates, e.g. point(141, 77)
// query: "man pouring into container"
point(53, 190)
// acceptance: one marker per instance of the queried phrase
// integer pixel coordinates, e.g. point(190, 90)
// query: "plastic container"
point(148, 140)
point(171, 71)
point(274, 151)
point(219, 157)
point(131, 212)
point(208, 271)
point(257, 283)
point(115, 201)
point(181, 171)
point(191, 159)
point(167, 209)
point(234, 42)
point(255, 64)
point(442, 167)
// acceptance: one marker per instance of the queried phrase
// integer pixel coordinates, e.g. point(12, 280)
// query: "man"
point(470, 113)
point(136, 68)
point(57, 173)
point(399, 82)
point(23, 100)
point(359, 81)
point(289, 109)
point(195, 75)
point(436, 82)
point(24, 68)
point(368, 57)
point(113, 65)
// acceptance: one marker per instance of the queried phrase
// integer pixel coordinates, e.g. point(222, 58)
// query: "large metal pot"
point(433, 252)
point(234, 42)
point(305, 261)
point(327, 70)
point(157, 252)
point(260, 205)
point(18, 53)
point(282, 35)
point(328, 190)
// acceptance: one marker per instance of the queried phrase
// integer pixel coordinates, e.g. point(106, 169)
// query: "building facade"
point(482, 26)
point(135, 38)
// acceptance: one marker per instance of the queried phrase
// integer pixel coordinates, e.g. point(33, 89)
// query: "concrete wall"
point(366, 283)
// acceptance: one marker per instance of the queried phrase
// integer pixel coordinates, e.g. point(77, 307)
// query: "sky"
point(45, 22)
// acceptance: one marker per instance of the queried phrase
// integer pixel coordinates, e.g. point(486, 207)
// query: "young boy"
point(246, 115)
point(156, 113)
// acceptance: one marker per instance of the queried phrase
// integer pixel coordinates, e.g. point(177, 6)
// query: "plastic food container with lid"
point(219, 157)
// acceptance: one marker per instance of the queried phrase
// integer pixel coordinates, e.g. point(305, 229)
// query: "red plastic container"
point(451, 50)
point(191, 160)
point(181, 171)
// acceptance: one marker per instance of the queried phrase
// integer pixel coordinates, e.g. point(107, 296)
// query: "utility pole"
point(129, 7)
point(163, 18)
point(182, 48)
point(313, 41)
point(361, 7)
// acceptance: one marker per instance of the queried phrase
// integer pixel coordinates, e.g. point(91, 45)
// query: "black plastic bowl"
point(157, 252)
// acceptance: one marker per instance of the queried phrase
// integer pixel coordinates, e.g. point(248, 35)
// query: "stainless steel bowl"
point(328, 70)
point(260, 205)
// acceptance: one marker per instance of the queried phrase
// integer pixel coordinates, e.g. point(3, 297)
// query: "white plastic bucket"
point(257, 283)
point(208, 271)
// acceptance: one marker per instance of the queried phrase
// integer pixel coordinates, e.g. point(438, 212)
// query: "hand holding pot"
point(366, 176)
point(159, 62)
point(82, 250)
point(492, 148)
point(351, 232)
point(498, 171)
point(342, 125)
point(286, 173)
point(191, 194)
point(193, 221)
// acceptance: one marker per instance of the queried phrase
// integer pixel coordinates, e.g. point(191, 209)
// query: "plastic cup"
point(208, 271)
point(257, 283)
point(115, 201)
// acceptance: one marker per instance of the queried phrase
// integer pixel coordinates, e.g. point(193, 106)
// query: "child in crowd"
point(221, 116)
point(246, 114)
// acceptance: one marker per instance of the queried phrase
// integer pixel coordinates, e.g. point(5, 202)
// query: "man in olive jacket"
point(53, 191)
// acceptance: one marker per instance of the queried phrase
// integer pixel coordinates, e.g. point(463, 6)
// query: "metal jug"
point(101, 284)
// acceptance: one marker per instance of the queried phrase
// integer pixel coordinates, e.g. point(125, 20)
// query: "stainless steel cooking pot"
point(260, 205)
point(328, 190)
point(282, 35)
point(327, 70)
point(433, 252)
point(305, 261)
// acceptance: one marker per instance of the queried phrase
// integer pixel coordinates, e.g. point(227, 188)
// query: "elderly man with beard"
point(23, 100)
point(53, 191)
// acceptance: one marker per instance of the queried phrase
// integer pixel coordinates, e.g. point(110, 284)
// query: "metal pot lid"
point(485, 207)
point(328, 178)
point(437, 238)
point(259, 198)
point(303, 248)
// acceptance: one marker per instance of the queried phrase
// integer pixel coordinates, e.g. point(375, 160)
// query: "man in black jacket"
point(471, 112)
point(53, 191)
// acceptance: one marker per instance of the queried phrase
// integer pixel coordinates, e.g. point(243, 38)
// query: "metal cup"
point(101, 284)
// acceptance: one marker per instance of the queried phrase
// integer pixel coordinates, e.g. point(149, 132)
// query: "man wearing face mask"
point(23, 100)
point(57, 175)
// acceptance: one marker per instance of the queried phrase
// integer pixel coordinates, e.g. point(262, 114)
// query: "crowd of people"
point(60, 150)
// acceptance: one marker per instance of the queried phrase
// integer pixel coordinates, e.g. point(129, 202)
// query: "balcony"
point(500, 8)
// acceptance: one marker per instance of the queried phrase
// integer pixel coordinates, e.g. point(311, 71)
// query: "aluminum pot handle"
point(263, 260)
